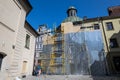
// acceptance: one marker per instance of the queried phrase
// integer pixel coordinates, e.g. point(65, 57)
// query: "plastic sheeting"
point(84, 53)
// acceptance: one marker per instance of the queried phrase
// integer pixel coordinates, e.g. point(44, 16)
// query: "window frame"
point(109, 26)
point(96, 26)
point(27, 41)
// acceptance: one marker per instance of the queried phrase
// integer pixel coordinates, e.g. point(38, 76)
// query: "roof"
point(102, 18)
point(96, 19)
point(113, 7)
point(26, 5)
point(71, 7)
point(72, 19)
point(30, 28)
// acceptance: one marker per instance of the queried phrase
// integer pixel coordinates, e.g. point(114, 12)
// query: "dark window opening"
point(39, 29)
point(89, 27)
point(116, 61)
point(82, 27)
point(27, 42)
point(113, 43)
point(77, 23)
point(96, 26)
point(109, 26)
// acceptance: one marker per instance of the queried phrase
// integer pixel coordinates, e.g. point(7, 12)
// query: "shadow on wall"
point(98, 68)
point(113, 56)
point(99, 65)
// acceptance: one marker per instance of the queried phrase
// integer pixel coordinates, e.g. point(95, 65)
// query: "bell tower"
point(72, 11)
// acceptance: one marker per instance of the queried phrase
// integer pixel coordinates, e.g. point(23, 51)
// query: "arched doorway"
point(2, 55)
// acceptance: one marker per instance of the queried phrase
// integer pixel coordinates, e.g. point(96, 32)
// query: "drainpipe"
point(34, 57)
point(104, 33)
point(106, 64)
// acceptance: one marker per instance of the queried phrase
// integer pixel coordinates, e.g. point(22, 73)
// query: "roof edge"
point(97, 19)
point(30, 28)
point(26, 5)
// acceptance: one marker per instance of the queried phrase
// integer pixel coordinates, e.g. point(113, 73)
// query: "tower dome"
point(72, 15)
point(72, 11)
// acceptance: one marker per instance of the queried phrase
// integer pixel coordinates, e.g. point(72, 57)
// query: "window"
point(89, 27)
point(82, 27)
point(37, 39)
point(37, 54)
point(24, 67)
point(39, 29)
point(116, 61)
point(96, 26)
point(109, 26)
point(77, 23)
point(40, 39)
point(113, 43)
point(27, 42)
point(36, 46)
point(40, 45)
point(1, 57)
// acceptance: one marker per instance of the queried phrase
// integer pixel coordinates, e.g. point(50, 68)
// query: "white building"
point(17, 39)
point(42, 31)
point(43, 47)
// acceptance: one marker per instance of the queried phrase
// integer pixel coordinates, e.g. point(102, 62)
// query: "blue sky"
point(53, 12)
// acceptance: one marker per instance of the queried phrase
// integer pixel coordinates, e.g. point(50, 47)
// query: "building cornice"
point(26, 5)
point(30, 28)
point(96, 19)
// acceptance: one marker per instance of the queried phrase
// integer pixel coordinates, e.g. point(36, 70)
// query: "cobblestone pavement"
point(69, 77)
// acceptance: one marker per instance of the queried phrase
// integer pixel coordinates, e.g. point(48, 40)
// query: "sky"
point(53, 12)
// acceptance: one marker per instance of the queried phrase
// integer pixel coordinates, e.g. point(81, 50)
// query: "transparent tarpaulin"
point(84, 53)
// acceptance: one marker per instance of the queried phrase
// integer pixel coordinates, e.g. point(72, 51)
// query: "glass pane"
point(109, 26)
point(27, 41)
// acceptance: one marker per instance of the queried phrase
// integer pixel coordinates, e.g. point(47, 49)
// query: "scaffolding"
point(57, 58)
point(76, 53)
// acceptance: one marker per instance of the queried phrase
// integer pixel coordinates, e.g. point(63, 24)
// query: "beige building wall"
point(68, 27)
point(110, 33)
point(28, 55)
point(112, 52)
point(12, 41)
point(10, 15)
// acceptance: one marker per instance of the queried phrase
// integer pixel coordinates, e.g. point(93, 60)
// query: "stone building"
point(17, 39)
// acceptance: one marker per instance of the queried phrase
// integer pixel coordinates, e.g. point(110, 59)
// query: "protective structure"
point(78, 53)
point(84, 53)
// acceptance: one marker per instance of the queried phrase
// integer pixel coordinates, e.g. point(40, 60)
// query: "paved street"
point(69, 77)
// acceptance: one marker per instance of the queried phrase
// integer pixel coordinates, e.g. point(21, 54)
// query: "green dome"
point(72, 19)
